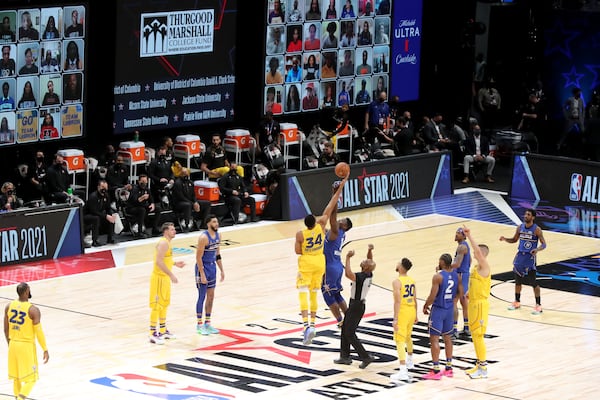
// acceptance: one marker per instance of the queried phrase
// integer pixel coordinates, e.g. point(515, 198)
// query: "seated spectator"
point(139, 205)
point(234, 191)
point(328, 157)
point(403, 138)
point(97, 214)
point(58, 181)
point(191, 212)
point(160, 173)
point(267, 135)
point(215, 163)
point(437, 138)
point(8, 197)
point(477, 149)
point(117, 176)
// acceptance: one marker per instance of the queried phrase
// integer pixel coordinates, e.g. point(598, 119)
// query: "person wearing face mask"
point(8, 197)
point(35, 184)
point(192, 213)
point(117, 176)
point(477, 150)
point(160, 173)
point(139, 204)
point(98, 215)
point(236, 194)
point(377, 119)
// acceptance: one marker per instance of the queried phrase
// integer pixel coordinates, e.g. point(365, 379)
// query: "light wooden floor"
point(96, 324)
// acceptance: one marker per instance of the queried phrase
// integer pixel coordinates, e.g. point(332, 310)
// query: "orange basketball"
point(342, 170)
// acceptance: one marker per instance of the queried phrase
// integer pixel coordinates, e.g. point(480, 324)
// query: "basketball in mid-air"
point(342, 170)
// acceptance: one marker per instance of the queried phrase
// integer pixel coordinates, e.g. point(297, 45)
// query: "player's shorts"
point(523, 263)
point(406, 320)
point(441, 321)
point(478, 315)
point(22, 361)
point(210, 270)
point(333, 276)
point(311, 273)
point(160, 291)
point(529, 279)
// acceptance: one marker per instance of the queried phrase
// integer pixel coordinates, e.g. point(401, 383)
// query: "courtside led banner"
point(559, 180)
point(40, 233)
point(371, 184)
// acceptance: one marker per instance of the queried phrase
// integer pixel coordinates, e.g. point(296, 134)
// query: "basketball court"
point(95, 315)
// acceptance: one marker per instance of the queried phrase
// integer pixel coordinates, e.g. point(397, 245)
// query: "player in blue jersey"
point(462, 265)
point(208, 258)
point(445, 291)
point(334, 268)
point(529, 235)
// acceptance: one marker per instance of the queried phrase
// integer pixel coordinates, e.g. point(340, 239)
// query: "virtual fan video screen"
point(42, 73)
point(174, 64)
point(325, 53)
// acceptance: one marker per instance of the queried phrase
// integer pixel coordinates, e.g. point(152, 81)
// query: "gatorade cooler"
point(261, 201)
point(237, 140)
point(136, 149)
point(206, 190)
point(73, 158)
point(290, 131)
point(192, 142)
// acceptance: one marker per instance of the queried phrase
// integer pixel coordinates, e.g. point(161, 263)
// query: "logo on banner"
point(406, 30)
point(370, 188)
point(576, 184)
point(584, 188)
point(177, 32)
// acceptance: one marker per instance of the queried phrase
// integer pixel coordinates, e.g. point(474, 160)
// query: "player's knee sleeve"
point(16, 387)
point(26, 388)
point(201, 298)
point(400, 346)
point(313, 300)
point(303, 297)
point(409, 345)
point(479, 344)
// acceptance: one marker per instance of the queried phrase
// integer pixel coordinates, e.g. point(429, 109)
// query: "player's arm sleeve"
point(39, 334)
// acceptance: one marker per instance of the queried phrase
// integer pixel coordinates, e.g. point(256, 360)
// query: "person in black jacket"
point(139, 204)
point(160, 173)
point(233, 189)
point(477, 149)
point(117, 176)
point(57, 180)
point(97, 213)
point(190, 211)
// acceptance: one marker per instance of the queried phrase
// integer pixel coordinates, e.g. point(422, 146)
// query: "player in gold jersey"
point(405, 316)
point(479, 304)
point(311, 263)
point(22, 325)
point(160, 285)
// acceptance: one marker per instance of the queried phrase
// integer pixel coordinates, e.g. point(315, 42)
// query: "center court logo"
point(575, 190)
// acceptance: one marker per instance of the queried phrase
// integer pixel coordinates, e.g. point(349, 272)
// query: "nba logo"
point(576, 182)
